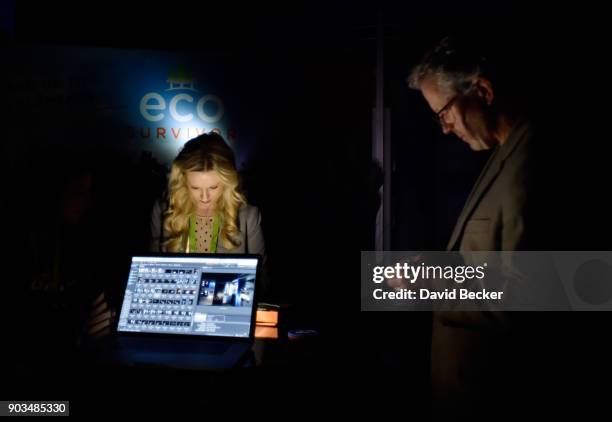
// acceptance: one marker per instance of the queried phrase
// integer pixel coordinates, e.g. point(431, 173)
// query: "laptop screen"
point(208, 296)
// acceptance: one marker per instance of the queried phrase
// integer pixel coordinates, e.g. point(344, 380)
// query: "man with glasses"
point(478, 358)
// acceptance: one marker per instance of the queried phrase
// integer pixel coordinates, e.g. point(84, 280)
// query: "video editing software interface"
point(189, 295)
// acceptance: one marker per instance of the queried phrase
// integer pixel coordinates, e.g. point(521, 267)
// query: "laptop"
point(188, 311)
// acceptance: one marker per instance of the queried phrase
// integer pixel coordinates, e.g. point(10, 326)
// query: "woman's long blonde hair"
point(207, 152)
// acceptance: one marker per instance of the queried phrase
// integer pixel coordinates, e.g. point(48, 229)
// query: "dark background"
point(313, 179)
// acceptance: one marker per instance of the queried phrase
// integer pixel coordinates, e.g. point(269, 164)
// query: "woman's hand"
point(100, 318)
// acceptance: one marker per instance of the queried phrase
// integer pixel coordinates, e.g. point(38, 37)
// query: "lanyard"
point(192, 235)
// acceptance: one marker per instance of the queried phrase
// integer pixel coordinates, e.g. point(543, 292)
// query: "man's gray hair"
point(455, 67)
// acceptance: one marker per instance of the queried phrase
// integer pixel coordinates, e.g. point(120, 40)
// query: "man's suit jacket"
point(476, 352)
point(493, 218)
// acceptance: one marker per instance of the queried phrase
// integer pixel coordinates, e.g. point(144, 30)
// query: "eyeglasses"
point(440, 117)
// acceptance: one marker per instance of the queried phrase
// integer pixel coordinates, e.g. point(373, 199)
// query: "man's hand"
point(401, 283)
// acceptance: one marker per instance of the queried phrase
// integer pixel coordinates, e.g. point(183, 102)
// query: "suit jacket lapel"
point(488, 174)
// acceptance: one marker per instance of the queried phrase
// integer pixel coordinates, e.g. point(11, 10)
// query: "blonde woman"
point(204, 211)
